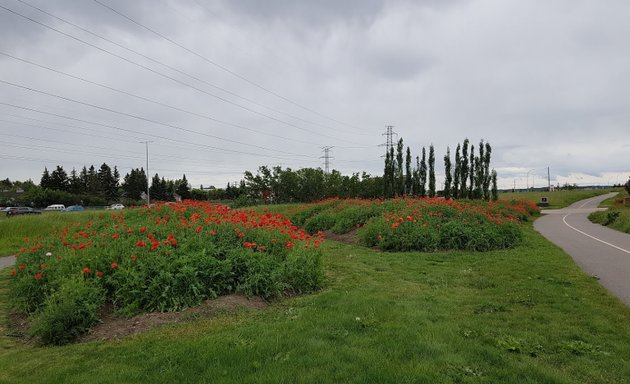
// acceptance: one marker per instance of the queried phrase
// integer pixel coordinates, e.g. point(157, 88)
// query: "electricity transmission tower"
point(326, 158)
point(389, 138)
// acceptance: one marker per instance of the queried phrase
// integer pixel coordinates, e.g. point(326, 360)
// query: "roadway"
point(601, 252)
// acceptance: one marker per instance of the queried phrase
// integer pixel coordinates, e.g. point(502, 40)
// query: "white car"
point(116, 206)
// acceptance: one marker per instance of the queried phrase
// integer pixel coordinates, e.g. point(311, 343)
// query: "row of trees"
point(105, 183)
point(471, 177)
point(308, 184)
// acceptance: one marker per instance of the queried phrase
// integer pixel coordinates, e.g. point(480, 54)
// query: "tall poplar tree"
point(408, 178)
point(457, 172)
point(431, 171)
point(423, 174)
point(463, 192)
point(448, 177)
point(488, 176)
point(471, 173)
point(416, 177)
point(386, 186)
point(400, 181)
point(495, 190)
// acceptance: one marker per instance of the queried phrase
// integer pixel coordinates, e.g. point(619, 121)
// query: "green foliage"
point(68, 312)
point(421, 224)
point(164, 258)
point(617, 218)
point(524, 315)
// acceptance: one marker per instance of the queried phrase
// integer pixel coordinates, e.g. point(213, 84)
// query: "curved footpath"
point(599, 251)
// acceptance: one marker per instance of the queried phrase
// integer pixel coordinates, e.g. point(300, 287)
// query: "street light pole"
point(146, 143)
point(528, 172)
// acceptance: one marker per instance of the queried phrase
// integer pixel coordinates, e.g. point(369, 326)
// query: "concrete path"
point(6, 261)
point(599, 251)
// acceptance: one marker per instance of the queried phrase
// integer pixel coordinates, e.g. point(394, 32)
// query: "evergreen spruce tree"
point(59, 180)
point(44, 183)
point(431, 171)
point(92, 185)
point(448, 177)
point(75, 183)
point(83, 180)
point(457, 172)
point(182, 188)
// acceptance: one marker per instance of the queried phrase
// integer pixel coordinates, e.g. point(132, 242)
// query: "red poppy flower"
point(87, 270)
point(22, 267)
point(13, 272)
point(115, 236)
point(114, 265)
point(99, 274)
point(141, 243)
point(38, 276)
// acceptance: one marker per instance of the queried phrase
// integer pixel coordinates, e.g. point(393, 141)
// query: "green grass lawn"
point(558, 198)
point(526, 315)
point(617, 216)
point(13, 230)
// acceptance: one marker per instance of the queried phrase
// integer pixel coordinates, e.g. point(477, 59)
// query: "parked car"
point(116, 206)
point(14, 211)
point(55, 207)
point(74, 208)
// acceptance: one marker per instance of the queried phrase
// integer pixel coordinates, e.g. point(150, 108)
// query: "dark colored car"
point(14, 211)
point(74, 208)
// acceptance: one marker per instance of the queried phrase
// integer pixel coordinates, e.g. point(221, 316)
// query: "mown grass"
point(617, 216)
point(558, 198)
point(13, 230)
point(526, 315)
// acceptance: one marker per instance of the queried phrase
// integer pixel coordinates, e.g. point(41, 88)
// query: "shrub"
point(68, 312)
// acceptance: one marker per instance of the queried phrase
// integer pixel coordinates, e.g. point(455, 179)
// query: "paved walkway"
point(599, 251)
point(6, 261)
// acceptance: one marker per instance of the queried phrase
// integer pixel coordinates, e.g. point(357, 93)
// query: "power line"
point(150, 100)
point(327, 158)
point(223, 68)
point(24, 158)
point(143, 133)
point(173, 68)
point(165, 75)
point(389, 138)
point(145, 118)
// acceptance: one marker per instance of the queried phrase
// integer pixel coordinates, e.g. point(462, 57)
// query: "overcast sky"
point(223, 86)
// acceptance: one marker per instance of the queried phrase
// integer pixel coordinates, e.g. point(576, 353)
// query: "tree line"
point(284, 185)
point(104, 185)
point(470, 178)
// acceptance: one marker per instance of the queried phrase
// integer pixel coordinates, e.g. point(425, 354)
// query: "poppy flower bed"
point(165, 258)
point(422, 224)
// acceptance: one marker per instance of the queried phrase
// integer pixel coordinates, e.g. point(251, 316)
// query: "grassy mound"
point(165, 258)
point(421, 224)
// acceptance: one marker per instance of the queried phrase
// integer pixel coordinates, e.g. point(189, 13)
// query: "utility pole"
point(389, 138)
point(327, 158)
point(548, 180)
point(146, 143)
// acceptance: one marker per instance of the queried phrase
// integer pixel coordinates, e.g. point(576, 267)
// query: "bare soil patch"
point(347, 238)
point(113, 327)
